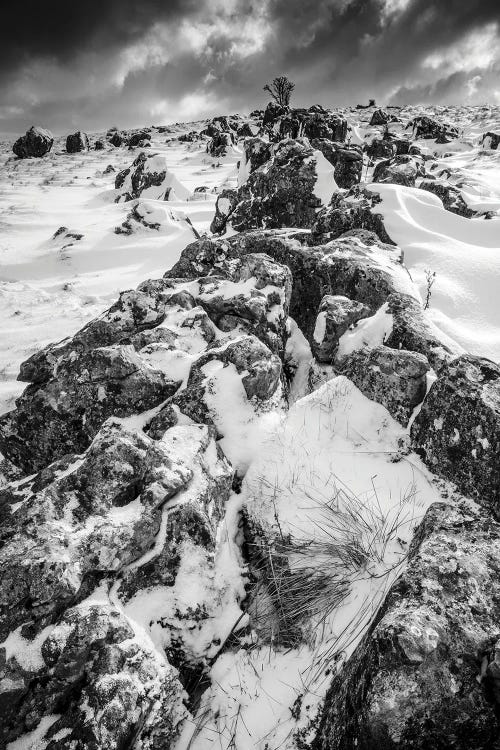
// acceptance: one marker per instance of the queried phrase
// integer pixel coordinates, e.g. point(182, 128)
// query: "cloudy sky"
point(96, 63)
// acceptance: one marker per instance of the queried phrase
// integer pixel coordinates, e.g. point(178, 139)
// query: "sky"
point(90, 65)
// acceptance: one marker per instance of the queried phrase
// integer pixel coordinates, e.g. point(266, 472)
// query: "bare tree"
point(430, 278)
point(281, 90)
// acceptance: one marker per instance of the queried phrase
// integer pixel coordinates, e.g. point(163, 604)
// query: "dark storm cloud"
point(60, 29)
point(78, 64)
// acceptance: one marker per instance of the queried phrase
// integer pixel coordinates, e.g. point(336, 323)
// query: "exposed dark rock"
point(224, 207)
point(281, 194)
point(257, 152)
point(458, 429)
point(424, 675)
point(117, 139)
point(450, 195)
point(381, 117)
point(63, 415)
point(36, 142)
point(220, 143)
point(354, 266)
point(395, 378)
point(490, 140)
point(76, 142)
point(146, 171)
point(347, 160)
point(401, 170)
point(381, 148)
point(356, 210)
point(427, 127)
point(99, 145)
point(336, 314)
point(136, 139)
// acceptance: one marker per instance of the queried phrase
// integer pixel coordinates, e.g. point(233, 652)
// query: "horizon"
point(184, 60)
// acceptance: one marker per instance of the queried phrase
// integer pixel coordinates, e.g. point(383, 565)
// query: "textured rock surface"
point(426, 673)
point(356, 210)
point(395, 378)
point(458, 429)
point(281, 193)
point(335, 315)
point(347, 160)
point(450, 195)
point(36, 142)
point(402, 170)
point(148, 174)
point(76, 142)
point(356, 266)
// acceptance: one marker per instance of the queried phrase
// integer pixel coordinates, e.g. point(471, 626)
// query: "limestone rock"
point(458, 429)
point(36, 142)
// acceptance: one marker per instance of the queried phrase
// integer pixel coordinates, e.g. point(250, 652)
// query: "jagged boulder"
point(425, 675)
point(256, 152)
point(99, 145)
point(381, 117)
point(357, 266)
point(401, 170)
point(149, 173)
point(97, 684)
point(490, 140)
point(411, 330)
point(395, 378)
point(354, 210)
point(64, 414)
point(224, 206)
point(336, 314)
point(76, 142)
point(347, 160)
point(381, 148)
point(458, 429)
point(429, 128)
point(220, 144)
point(450, 195)
point(136, 139)
point(286, 191)
point(36, 142)
point(117, 139)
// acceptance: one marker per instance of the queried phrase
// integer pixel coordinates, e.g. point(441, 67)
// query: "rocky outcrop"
point(490, 140)
point(117, 139)
point(76, 142)
point(138, 139)
point(450, 195)
point(427, 127)
point(381, 117)
point(220, 144)
point(352, 211)
point(36, 142)
point(426, 673)
point(401, 170)
point(347, 160)
point(137, 354)
point(64, 414)
point(256, 152)
point(356, 266)
point(381, 148)
point(458, 429)
point(336, 314)
point(149, 173)
point(224, 206)
point(395, 378)
point(286, 191)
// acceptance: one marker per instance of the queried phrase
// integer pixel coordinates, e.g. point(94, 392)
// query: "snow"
point(369, 332)
point(49, 288)
point(325, 181)
point(464, 254)
point(334, 442)
point(27, 653)
point(35, 740)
